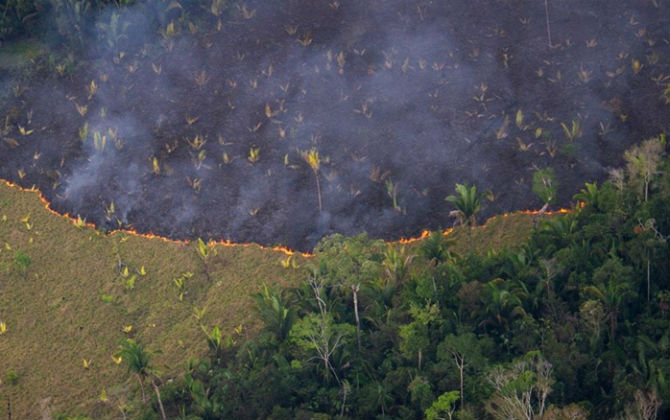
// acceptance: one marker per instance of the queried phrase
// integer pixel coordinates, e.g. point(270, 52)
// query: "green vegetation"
point(468, 203)
point(545, 185)
point(22, 261)
point(566, 325)
point(68, 20)
point(86, 305)
point(137, 359)
point(564, 317)
point(567, 319)
point(72, 304)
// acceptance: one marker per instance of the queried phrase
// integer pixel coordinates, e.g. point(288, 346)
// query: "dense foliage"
point(60, 19)
point(573, 324)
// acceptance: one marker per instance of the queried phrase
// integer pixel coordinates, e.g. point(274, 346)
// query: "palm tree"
point(137, 359)
point(467, 202)
point(559, 232)
point(396, 264)
point(275, 311)
point(502, 305)
point(435, 248)
point(647, 371)
point(383, 396)
point(313, 159)
point(588, 195)
point(613, 287)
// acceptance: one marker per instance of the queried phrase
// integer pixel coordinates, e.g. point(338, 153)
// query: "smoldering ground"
point(200, 112)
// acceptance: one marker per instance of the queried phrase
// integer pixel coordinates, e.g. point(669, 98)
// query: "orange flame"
point(548, 213)
point(228, 243)
point(424, 234)
point(78, 222)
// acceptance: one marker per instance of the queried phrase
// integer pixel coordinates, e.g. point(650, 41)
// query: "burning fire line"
point(81, 223)
point(426, 233)
point(287, 251)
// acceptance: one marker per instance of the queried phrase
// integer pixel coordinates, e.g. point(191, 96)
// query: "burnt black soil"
point(418, 93)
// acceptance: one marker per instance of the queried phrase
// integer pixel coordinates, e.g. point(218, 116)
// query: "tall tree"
point(521, 390)
point(642, 163)
point(351, 264)
point(545, 186)
point(465, 350)
point(313, 159)
point(396, 263)
point(275, 311)
point(137, 359)
point(318, 333)
point(414, 338)
point(501, 304)
point(468, 203)
point(613, 287)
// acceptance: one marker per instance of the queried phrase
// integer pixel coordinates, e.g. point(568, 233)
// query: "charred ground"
point(190, 121)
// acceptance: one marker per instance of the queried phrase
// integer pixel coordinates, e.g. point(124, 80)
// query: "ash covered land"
point(190, 120)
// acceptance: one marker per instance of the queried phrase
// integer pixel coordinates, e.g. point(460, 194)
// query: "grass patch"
point(71, 302)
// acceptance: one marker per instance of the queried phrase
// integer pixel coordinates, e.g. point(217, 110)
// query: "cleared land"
point(73, 301)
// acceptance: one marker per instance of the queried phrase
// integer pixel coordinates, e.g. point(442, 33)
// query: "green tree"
point(319, 334)
point(649, 369)
point(275, 311)
point(380, 394)
point(396, 263)
point(217, 344)
point(545, 186)
point(414, 337)
point(206, 252)
point(350, 265)
point(501, 304)
point(468, 202)
point(588, 195)
point(643, 162)
point(420, 392)
point(613, 287)
point(435, 248)
point(444, 405)
point(137, 359)
point(521, 390)
point(465, 350)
